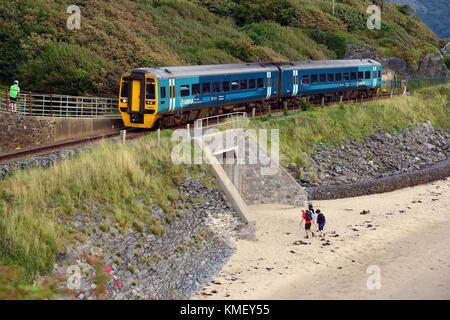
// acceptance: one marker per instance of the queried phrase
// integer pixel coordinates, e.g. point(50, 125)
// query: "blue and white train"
point(170, 96)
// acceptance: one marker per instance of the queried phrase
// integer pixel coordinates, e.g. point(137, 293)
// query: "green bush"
point(334, 40)
point(447, 61)
point(251, 11)
point(68, 68)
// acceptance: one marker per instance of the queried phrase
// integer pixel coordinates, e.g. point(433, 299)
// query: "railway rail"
point(135, 133)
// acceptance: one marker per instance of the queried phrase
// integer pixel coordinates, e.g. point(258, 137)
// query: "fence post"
point(29, 102)
point(7, 99)
point(51, 104)
point(253, 112)
point(188, 131)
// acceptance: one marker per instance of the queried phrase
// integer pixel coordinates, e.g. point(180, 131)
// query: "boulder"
point(398, 65)
point(433, 65)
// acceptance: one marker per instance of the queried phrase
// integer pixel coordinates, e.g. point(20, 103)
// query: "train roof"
point(216, 69)
point(322, 64)
point(204, 70)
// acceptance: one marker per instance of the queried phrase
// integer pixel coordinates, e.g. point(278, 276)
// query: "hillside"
point(37, 48)
point(434, 13)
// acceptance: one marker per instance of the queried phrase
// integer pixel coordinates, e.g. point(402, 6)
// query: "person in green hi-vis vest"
point(14, 95)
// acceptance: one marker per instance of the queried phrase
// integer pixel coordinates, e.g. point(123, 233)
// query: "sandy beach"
point(403, 242)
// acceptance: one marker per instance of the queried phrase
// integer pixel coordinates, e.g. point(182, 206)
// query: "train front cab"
point(138, 100)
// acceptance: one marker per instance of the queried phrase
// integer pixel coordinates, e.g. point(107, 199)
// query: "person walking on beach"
point(314, 216)
point(14, 94)
point(314, 219)
point(321, 222)
point(307, 217)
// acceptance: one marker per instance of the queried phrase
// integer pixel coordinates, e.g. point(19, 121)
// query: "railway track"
point(133, 134)
point(48, 149)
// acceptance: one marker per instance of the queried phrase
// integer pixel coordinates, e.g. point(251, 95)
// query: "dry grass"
point(120, 181)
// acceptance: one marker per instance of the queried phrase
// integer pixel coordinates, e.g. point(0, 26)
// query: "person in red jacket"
point(307, 217)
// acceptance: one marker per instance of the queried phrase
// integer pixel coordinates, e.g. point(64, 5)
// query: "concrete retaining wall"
point(18, 131)
point(72, 128)
point(438, 171)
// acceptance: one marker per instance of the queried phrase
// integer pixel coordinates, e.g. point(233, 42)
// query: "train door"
point(375, 77)
point(269, 85)
point(295, 83)
point(172, 96)
point(136, 93)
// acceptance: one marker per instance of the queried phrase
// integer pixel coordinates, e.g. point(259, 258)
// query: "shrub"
point(447, 61)
point(68, 68)
point(251, 11)
point(157, 229)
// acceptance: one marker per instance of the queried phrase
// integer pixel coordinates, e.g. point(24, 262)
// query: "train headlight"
point(124, 101)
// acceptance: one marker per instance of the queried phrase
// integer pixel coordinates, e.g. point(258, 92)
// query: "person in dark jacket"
point(321, 222)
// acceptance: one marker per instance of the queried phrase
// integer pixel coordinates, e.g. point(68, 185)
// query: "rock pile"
point(37, 162)
point(381, 155)
point(176, 264)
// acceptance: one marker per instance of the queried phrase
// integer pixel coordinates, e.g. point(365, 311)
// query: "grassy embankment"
point(121, 181)
point(118, 181)
point(299, 132)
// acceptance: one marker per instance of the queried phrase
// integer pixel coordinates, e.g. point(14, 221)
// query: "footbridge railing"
point(55, 105)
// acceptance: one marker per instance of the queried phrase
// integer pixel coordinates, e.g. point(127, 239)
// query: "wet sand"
point(405, 236)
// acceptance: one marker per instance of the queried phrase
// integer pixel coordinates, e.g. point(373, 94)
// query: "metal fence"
point(397, 86)
point(54, 105)
point(223, 121)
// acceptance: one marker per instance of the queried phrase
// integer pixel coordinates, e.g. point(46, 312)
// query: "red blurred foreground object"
point(118, 284)
point(107, 269)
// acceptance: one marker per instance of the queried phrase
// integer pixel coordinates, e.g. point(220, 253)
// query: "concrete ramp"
point(246, 172)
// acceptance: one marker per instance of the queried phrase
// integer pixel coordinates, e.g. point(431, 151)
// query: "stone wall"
point(436, 172)
point(268, 183)
point(18, 131)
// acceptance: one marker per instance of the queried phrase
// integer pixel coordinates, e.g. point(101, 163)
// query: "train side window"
point(150, 92)
point(314, 78)
point(216, 87)
point(235, 85)
point(206, 88)
point(162, 93)
point(260, 83)
point(331, 77)
point(185, 91)
point(346, 76)
point(360, 75)
point(305, 79)
point(338, 77)
point(196, 89)
point(323, 78)
point(269, 82)
point(244, 84)
point(367, 74)
point(374, 74)
point(226, 86)
point(379, 74)
point(124, 90)
point(353, 76)
point(252, 84)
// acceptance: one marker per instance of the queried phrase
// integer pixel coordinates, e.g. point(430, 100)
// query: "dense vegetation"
point(37, 47)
